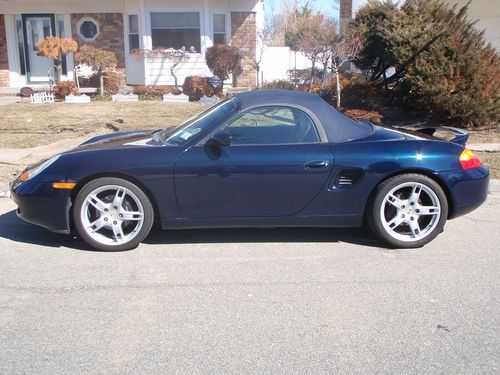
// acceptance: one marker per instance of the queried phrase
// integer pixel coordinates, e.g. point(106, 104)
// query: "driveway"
point(283, 301)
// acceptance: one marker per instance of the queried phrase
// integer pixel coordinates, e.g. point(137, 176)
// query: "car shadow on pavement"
point(14, 229)
point(358, 236)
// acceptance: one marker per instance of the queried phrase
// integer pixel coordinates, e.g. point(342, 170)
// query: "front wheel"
point(408, 211)
point(112, 214)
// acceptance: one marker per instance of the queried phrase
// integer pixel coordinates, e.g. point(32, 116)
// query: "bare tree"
point(171, 55)
point(315, 35)
point(343, 49)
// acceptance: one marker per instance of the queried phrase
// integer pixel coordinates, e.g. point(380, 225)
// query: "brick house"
point(122, 26)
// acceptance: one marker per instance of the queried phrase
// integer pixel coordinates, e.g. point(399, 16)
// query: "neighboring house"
point(486, 13)
point(121, 26)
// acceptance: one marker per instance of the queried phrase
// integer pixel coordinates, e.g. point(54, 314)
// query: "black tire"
point(379, 203)
point(139, 235)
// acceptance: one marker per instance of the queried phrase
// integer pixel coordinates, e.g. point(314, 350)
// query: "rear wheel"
point(112, 214)
point(408, 211)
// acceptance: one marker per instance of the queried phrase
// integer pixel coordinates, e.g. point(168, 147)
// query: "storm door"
point(36, 28)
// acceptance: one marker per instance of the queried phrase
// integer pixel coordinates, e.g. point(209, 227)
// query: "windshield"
point(197, 123)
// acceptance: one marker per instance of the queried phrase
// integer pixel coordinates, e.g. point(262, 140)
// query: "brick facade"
point(4, 61)
point(243, 32)
point(110, 36)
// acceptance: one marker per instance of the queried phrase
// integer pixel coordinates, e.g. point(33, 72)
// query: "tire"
point(408, 211)
point(112, 214)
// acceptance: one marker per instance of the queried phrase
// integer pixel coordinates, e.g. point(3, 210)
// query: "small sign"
point(209, 100)
point(215, 81)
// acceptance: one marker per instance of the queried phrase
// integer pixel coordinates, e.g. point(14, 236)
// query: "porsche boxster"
point(263, 158)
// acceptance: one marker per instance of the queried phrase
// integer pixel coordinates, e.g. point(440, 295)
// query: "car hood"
point(120, 140)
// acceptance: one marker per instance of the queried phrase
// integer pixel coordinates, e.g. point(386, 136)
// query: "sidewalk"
point(9, 99)
point(484, 147)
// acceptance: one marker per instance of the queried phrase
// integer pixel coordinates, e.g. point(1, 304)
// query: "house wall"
point(243, 24)
point(4, 61)
point(487, 14)
point(112, 16)
point(111, 36)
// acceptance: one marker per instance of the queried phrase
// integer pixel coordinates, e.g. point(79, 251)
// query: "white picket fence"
point(42, 97)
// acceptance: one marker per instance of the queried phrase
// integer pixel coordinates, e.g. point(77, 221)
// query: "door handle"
point(317, 164)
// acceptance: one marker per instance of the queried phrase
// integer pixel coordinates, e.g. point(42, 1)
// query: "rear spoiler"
point(460, 136)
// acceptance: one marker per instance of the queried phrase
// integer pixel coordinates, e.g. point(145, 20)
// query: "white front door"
point(36, 29)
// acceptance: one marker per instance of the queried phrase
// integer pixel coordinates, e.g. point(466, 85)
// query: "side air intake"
point(348, 177)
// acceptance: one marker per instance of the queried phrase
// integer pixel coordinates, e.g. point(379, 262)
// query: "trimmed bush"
point(99, 59)
point(65, 88)
point(195, 87)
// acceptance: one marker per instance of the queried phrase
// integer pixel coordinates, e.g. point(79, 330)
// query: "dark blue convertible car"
point(264, 158)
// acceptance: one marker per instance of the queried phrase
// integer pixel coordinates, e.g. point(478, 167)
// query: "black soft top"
point(337, 126)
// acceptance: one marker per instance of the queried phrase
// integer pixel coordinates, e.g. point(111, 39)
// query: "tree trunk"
point(312, 74)
point(173, 75)
point(337, 79)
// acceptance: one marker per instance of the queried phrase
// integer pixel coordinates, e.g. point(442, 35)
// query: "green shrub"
point(441, 62)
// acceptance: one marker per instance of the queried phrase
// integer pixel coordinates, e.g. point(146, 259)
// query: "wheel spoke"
point(395, 201)
point(97, 203)
point(132, 215)
point(120, 195)
point(96, 225)
point(118, 233)
point(414, 227)
point(415, 193)
point(428, 210)
point(395, 222)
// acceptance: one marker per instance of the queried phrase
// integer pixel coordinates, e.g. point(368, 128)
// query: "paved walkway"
point(484, 147)
point(8, 99)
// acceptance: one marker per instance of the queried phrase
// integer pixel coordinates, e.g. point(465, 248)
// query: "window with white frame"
point(133, 32)
point(176, 30)
point(219, 25)
point(87, 29)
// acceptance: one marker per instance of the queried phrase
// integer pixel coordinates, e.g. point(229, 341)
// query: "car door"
point(275, 166)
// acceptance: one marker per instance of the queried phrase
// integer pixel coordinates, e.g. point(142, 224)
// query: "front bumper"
point(40, 204)
point(468, 189)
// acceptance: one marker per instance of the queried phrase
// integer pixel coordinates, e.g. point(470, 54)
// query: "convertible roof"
point(338, 127)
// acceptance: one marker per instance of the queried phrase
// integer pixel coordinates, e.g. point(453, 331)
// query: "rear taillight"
point(469, 160)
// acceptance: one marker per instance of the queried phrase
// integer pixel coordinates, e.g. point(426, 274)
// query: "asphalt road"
point(284, 301)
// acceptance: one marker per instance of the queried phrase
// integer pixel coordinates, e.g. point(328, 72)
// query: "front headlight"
point(36, 169)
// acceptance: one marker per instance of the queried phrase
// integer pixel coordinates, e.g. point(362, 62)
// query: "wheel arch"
point(123, 176)
point(424, 172)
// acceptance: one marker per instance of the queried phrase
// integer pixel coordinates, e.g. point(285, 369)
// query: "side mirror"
point(222, 138)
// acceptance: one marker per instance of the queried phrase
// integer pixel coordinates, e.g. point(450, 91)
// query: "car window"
point(197, 123)
point(273, 125)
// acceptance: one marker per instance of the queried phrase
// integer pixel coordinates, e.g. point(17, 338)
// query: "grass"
point(24, 125)
point(492, 161)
